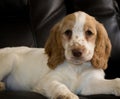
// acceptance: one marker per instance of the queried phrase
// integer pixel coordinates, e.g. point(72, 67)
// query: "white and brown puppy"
point(75, 55)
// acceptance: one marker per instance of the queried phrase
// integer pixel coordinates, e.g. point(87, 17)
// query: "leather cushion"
point(43, 16)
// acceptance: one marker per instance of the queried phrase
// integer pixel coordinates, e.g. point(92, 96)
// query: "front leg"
point(102, 86)
point(55, 90)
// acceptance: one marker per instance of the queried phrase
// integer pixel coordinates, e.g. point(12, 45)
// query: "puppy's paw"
point(117, 87)
point(2, 86)
point(67, 96)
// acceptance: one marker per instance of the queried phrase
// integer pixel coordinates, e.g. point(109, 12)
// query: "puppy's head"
point(78, 38)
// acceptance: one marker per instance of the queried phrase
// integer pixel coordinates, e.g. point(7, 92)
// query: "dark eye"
point(68, 33)
point(89, 33)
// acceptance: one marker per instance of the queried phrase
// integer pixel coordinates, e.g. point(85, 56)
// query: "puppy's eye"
point(89, 33)
point(68, 33)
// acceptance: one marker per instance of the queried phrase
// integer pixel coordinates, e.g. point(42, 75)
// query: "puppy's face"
point(78, 37)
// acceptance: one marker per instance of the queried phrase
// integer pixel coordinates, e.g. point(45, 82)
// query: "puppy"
point(72, 62)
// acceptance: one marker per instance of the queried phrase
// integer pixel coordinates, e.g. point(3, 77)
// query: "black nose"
point(77, 53)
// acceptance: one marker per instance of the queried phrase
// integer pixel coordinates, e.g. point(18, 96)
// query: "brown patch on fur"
point(62, 97)
point(68, 22)
point(53, 46)
point(67, 96)
point(90, 24)
point(2, 86)
point(102, 48)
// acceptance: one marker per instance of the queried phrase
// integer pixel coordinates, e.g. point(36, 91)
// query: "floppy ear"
point(53, 47)
point(102, 48)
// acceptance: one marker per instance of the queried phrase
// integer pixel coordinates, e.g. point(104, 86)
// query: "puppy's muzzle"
point(78, 51)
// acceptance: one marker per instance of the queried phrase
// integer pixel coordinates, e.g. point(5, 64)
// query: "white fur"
point(24, 68)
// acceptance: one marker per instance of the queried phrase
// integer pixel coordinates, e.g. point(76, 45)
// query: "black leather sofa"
point(28, 22)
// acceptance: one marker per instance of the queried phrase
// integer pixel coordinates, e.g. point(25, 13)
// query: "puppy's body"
point(25, 68)
point(71, 63)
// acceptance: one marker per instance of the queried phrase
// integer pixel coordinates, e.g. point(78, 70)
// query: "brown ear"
point(102, 48)
point(53, 47)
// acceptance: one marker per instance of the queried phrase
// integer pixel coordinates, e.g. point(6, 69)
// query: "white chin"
point(76, 62)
